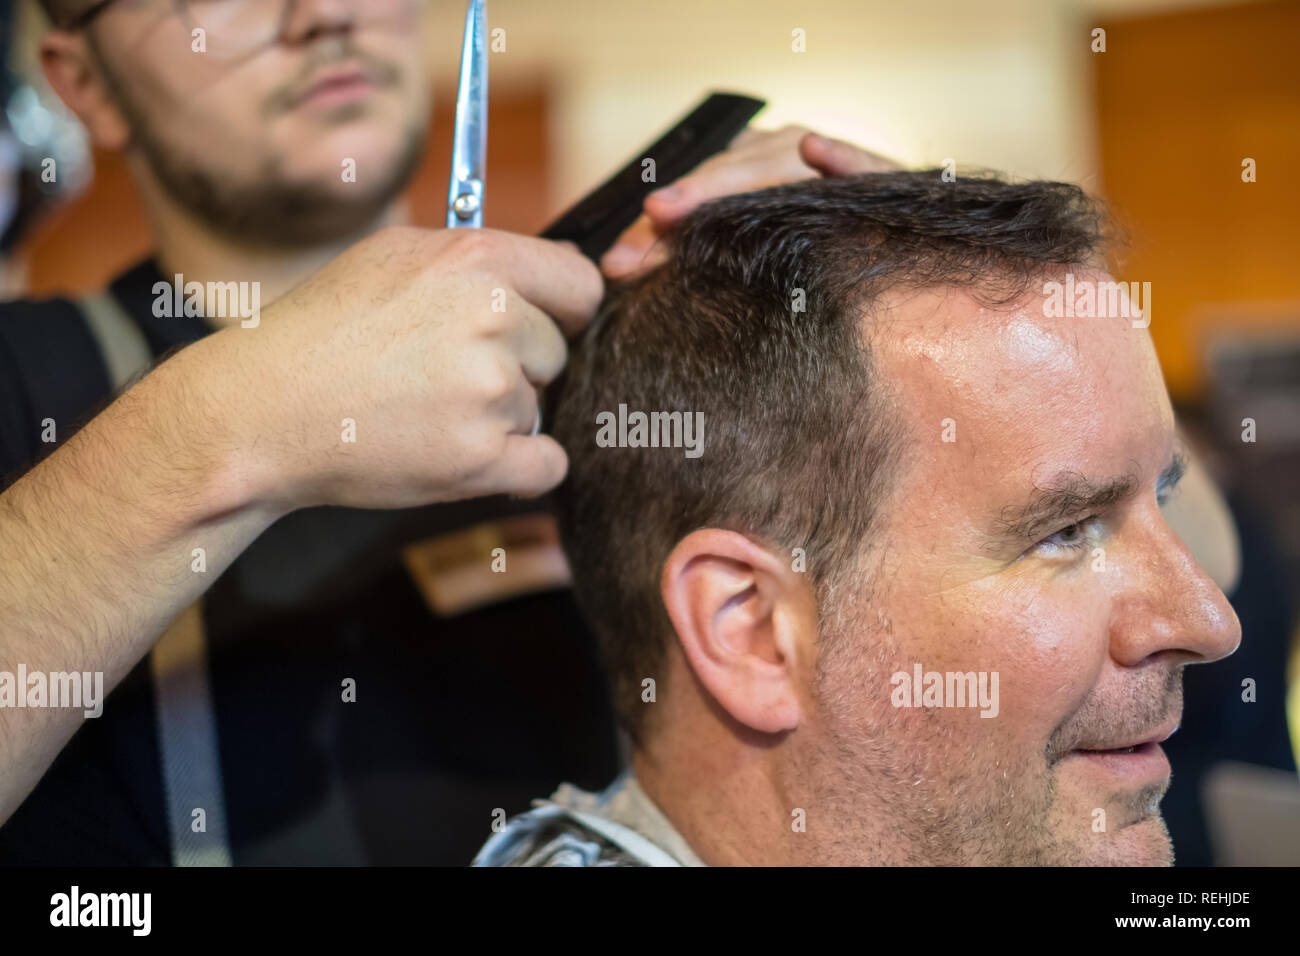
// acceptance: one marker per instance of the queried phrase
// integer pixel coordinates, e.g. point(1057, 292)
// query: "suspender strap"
point(125, 351)
point(187, 738)
point(187, 725)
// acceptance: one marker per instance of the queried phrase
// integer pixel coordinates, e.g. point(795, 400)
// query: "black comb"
point(596, 222)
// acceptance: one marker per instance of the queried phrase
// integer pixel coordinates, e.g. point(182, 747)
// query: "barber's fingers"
point(514, 458)
point(638, 249)
point(538, 344)
point(837, 157)
point(519, 407)
point(747, 137)
point(759, 158)
point(754, 160)
point(764, 160)
point(530, 465)
point(552, 276)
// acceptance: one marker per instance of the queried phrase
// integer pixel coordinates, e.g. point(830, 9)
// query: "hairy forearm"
point(100, 547)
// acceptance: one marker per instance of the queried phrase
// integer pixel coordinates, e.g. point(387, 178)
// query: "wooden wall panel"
point(1182, 99)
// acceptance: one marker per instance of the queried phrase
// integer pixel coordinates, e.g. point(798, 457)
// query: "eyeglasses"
point(241, 26)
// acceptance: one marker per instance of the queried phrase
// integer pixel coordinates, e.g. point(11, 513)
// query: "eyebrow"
point(1070, 494)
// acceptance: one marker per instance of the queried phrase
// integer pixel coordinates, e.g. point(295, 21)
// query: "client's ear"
point(747, 623)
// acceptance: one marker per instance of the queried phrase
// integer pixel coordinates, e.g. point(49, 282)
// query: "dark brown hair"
point(757, 321)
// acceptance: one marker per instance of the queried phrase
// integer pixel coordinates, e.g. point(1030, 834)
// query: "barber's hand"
point(398, 340)
point(756, 159)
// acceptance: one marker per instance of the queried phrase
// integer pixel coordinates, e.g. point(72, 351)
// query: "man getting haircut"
point(915, 601)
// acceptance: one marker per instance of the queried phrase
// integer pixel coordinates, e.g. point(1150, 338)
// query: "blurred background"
point(1160, 123)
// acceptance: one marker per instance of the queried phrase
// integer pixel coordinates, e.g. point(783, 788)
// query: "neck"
point(730, 808)
point(187, 246)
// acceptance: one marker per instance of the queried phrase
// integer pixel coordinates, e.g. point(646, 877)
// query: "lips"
point(1134, 742)
point(336, 84)
point(1135, 762)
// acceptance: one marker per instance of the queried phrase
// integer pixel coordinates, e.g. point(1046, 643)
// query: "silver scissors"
point(469, 148)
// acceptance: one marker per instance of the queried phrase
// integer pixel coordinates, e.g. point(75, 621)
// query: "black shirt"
point(455, 716)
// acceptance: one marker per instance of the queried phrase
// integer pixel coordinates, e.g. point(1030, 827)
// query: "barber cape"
point(620, 826)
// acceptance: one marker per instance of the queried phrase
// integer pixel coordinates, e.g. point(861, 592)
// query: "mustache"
point(1144, 708)
point(323, 53)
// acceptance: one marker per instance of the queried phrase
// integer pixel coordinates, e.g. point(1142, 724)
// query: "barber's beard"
point(268, 208)
point(273, 210)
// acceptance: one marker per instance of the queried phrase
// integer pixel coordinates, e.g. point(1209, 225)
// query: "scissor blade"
point(469, 148)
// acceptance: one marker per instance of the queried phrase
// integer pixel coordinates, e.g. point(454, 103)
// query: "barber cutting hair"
point(272, 534)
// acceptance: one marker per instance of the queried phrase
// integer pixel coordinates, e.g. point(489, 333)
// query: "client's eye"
point(1070, 538)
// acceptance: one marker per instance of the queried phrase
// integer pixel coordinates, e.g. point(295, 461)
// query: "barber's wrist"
point(215, 423)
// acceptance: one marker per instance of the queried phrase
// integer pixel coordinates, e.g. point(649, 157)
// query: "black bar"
point(483, 910)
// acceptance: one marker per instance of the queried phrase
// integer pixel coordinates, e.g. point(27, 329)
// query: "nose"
point(306, 19)
point(1168, 604)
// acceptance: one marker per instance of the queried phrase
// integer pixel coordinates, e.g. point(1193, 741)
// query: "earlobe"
point(746, 624)
point(72, 74)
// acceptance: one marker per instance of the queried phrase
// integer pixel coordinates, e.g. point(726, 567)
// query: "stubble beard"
point(894, 787)
point(268, 208)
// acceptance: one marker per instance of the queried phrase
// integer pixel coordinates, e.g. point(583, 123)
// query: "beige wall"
point(1000, 83)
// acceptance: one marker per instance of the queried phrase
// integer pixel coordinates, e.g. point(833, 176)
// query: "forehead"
point(1023, 392)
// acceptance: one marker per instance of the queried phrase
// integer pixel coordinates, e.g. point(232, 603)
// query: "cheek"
point(1045, 639)
point(207, 111)
point(1049, 639)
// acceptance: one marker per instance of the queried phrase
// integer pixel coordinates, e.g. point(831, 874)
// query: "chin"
point(371, 128)
point(374, 145)
point(1145, 843)
point(379, 155)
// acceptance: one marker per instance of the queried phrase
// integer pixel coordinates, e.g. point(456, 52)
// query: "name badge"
point(488, 563)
